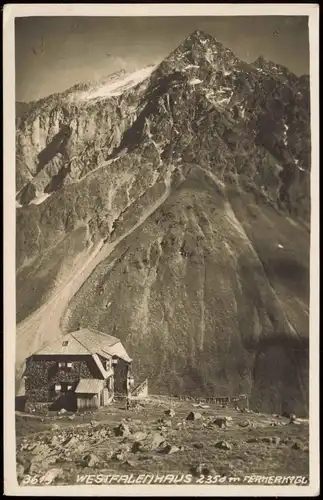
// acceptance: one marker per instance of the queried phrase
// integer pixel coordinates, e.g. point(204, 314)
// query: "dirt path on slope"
point(44, 324)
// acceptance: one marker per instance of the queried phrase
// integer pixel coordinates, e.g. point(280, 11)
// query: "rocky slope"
point(168, 437)
point(171, 208)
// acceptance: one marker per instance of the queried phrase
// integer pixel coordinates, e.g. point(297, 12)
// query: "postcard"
point(161, 214)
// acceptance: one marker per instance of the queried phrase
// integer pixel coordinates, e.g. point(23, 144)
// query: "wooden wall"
point(85, 401)
point(120, 377)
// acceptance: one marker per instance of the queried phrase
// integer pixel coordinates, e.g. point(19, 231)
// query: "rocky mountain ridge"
point(175, 215)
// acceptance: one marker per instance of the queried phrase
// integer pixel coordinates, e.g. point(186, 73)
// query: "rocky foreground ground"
point(156, 437)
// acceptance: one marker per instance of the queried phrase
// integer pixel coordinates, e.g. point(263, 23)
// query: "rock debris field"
point(158, 437)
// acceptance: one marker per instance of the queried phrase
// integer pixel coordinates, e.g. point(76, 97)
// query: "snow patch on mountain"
point(191, 66)
point(285, 140)
point(195, 81)
point(118, 87)
point(39, 199)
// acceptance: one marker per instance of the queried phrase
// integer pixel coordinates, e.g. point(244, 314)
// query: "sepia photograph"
point(162, 216)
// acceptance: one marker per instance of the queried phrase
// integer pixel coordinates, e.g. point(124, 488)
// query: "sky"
point(54, 53)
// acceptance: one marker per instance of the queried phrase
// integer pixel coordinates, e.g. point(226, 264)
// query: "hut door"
point(106, 397)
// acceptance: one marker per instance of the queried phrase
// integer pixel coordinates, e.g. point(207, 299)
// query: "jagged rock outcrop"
point(175, 214)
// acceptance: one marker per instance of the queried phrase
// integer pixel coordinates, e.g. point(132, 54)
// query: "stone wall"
point(36, 407)
point(42, 373)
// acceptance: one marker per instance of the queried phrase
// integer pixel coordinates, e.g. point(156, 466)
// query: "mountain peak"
point(200, 37)
point(200, 52)
point(263, 61)
point(199, 34)
point(264, 64)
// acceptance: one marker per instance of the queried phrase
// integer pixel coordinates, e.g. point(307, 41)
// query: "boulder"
point(139, 436)
point(129, 463)
point(297, 446)
point(197, 469)
point(294, 420)
point(155, 440)
point(202, 469)
point(122, 430)
point(271, 439)
point(170, 449)
point(164, 423)
point(170, 412)
point(52, 474)
point(221, 422)
point(20, 470)
point(151, 443)
point(36, 467)
point(193, 416)
point(104, 432)
point(39, 465)
point(55, 441)
point(137, 446)
point(24, 461)
point(124, 448)
point(40, 451)
point(244, 423)
point(120, 456)
point(223, 445)
point(91, 460)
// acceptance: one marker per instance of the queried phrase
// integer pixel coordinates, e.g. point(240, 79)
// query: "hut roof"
point(89, 386)
point(86, 341)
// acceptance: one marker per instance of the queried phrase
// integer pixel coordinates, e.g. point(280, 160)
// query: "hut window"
point(69, 387)
point(114, 361)
point(65, 343)
point(108, 364)
point(69, 364)
point(61, 364)
point(58, 387)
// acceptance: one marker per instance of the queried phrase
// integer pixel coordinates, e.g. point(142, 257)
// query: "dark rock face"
point(194, 187)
